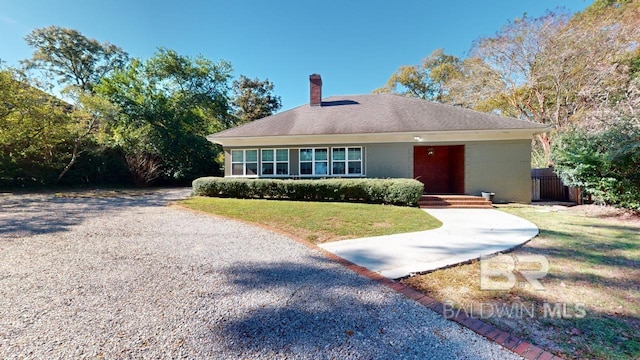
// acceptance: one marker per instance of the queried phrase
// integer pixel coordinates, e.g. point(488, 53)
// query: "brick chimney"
point(315, 90)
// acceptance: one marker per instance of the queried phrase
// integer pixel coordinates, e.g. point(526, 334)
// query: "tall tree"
point(511, 61)
point(168, 104)
point(254, 99)
point(557, 69)
point(476, 86)
point(33, 133)
point(78, 63)
point(607, 74)
point(87, 124)
point(425, 81)
point(72, 57)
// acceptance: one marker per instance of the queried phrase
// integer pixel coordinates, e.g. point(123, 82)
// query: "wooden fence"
point(547, 186)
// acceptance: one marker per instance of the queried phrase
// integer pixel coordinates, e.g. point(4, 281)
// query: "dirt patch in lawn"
point(606, 212)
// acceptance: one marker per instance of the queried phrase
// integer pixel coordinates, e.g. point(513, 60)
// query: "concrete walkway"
point(465, 234)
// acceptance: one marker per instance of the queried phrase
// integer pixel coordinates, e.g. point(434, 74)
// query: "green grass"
point(594, 260)
point(319, 221)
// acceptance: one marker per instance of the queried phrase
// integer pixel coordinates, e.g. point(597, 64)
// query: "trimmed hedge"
point(403, 192)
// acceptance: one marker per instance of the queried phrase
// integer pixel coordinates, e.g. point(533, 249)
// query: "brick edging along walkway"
point(503, 338)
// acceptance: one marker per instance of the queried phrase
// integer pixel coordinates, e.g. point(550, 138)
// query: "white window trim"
point(346, 161)
point(244, 162)
point(275, 163)
point(313, 162)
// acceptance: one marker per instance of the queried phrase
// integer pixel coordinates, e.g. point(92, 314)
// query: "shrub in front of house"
point(403, 192)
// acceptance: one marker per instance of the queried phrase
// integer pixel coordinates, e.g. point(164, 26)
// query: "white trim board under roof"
point(409, 137)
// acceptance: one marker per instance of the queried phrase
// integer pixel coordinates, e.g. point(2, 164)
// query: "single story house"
point(452, 150)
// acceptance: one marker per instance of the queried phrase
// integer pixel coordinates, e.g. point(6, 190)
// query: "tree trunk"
point(545, 141)
point(76, 148)
point(74, 158)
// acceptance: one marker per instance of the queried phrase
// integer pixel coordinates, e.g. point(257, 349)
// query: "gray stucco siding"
point(389, 160)
point(503, 167)
point(227, 162)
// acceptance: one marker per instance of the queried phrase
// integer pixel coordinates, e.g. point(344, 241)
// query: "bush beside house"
point(606, 163)
point(403, 192)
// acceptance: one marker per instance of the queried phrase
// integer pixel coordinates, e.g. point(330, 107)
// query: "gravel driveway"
point(128, 277)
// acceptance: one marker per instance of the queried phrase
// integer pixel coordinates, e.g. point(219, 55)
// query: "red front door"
point(439, 168)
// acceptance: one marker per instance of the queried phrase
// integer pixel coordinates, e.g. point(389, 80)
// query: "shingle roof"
point(376, 113)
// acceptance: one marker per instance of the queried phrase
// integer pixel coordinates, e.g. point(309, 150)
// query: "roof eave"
point(369, 138)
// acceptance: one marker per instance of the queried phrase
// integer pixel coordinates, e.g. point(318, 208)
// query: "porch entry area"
point(439, 168)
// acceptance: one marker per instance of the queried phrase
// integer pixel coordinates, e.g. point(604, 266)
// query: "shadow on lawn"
point(31, 214)
point(319, 308)
point(563, 327)
point(589, 251)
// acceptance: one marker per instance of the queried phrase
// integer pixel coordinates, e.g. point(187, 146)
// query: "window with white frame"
point(314, 161)
point(244, 162)
point(346, 161)
point(275, 161)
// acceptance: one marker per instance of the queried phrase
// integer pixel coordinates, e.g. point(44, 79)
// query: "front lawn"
point(319, 222)
point(594, 258)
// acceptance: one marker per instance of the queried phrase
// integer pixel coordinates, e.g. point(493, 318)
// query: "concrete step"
point(454, 202)
point(455, 206)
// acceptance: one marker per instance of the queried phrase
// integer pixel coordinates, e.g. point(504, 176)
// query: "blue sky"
point(355, 45)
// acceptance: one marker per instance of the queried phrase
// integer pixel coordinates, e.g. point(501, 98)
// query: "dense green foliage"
point(605, 163)
point(426, 81)
point(122, 120)
point(405, 192)
point(72, 57)
point(168, 104)
point(254, 99)
point(38, 135)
